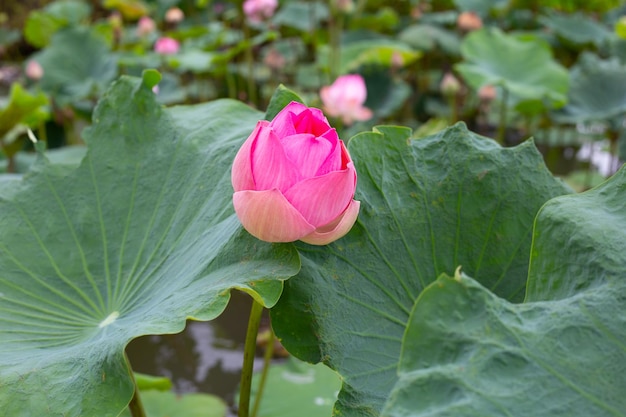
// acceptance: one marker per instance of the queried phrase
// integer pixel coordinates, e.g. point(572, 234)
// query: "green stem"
point(248, 358)
point(269, 352)
point(250, 64)
point(135, 406)
point(503, 109)
point(335, 28)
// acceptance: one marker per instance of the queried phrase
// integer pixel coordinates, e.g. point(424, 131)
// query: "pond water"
point(206, 357)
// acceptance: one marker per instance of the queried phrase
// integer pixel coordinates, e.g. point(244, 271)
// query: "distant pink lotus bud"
point(166, 46)
point(449, 85)
point(468, 21)
point(344, 6)
point(274, 59)
point(116, 20)
point(397, 61)
point(33, 70)
point(294, 179)
point(174, 15)
point(145, 26)
point(487, 92)
point(259, 10)
point(345, 98)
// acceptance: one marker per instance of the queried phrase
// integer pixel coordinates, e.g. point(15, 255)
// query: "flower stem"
point(269, 351)
point(135, 406)
point(248, 358)
point(503, 115)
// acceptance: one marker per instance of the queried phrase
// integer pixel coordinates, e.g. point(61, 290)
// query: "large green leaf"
point(522, 65)
point(77, 64)
point(296, 388)
point(427, 206)
point(380, 51)
point(135, 240)
point(576, 28)
point(22, 108)
point(42, 24)
point(168, 404)
point(428, 37)
point(467, 352)
point(598, 90)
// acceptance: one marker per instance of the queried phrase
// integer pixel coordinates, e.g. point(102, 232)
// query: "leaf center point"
point(110, 319)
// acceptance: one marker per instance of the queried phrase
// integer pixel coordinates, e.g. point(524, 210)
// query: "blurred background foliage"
point(510, 69)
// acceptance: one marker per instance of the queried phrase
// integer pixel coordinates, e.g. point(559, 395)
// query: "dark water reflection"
point(205, 357)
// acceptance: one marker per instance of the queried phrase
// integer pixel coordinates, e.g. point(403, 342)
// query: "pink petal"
point(322, 199)
point(311, 120)
point(283, 123)
point(241, 173)
point(271, 167)
point(268, 216)
point(334, 160)
point(308, 152)
point(339, 228)
point(362, 113)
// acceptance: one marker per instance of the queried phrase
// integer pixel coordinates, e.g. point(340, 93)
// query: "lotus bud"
point(487, 93)
point(345, 98)
point(166, 46)
point(145, 26)
point(34, 70)
point(174, 15)
point(259, 10)
point(294, 179)
point(450, 85)
point(468, 21)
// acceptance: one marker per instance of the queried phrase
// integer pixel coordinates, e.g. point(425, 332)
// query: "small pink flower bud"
point(449, 85)
point(468, 21)
point(166, 46)
point(115, 20)
point(174, 15)
point(259, 10)
point(345, 98)
point(294, 179)
point(344, 6)
point(487, 93)
point(33, 70)
point(145, 26)
point(274, 59)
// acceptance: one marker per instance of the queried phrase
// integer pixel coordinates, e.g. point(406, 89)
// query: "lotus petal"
point(267, 215)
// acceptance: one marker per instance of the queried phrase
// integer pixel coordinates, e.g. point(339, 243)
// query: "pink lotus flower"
point(468, 21)
point(145, 26)
point(34, 70)
point(294, 179)
point(166, 46)
point(174, 15)
point(259, 10)
point(345, 98)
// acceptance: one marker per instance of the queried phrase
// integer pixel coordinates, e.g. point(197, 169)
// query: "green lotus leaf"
point(467, 352)
point(380, 52)
point(522, 65)
point(291, 14)
point(297, 388)
point(598, 90)
point(23, 108)
point(483, 7)
point(133, 241)
point(78, 64)
point(427, 37)
point(42, 24)
point(427, 206)
point(577, 28)
point(168, 404)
